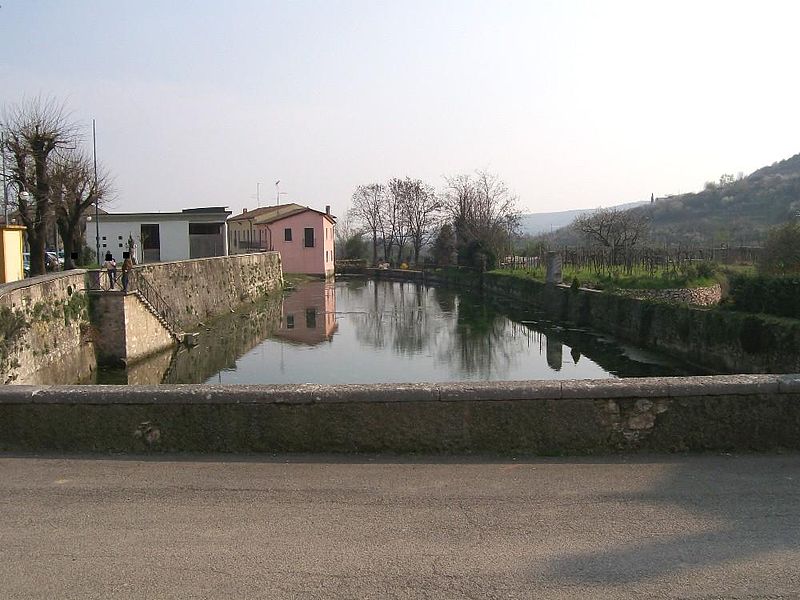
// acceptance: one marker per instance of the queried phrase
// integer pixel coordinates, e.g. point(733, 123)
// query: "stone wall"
point(44, 330)
point(721, 413)
point(703, 296)
point(713, 338)
point(201, 289)
point(129, 332)
point(716, 339)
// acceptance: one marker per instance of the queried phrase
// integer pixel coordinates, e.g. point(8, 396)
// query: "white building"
point(164, 236)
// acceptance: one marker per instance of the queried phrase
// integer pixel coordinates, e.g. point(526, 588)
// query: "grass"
point(637, 279)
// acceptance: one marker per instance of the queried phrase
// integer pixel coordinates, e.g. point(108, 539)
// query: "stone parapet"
point(716, 413)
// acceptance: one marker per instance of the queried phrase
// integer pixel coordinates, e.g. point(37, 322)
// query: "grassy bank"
point(693, 277)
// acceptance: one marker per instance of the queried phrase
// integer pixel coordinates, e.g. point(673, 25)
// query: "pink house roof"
point(279, 215)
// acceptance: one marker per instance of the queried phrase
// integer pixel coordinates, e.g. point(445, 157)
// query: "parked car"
point(52, 261)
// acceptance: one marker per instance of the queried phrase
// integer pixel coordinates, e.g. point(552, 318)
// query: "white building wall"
point(174, 238)
point(114, 238)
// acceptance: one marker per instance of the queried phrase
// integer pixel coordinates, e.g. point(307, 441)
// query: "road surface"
point(376, 527)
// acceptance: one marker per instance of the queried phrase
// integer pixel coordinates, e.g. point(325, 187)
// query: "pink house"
point(302, 235)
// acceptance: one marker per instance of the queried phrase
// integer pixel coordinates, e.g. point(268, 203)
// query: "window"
point(311, 318)
point(309, 237)
point(289, 321)
point(287, 234)
point(204, 228)
point(326, 256)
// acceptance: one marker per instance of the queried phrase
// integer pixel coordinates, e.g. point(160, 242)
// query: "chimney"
point(327, 209)
point(244, 211)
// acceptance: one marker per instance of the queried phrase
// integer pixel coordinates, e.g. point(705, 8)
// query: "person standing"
point(110, 265)
point(127, 267)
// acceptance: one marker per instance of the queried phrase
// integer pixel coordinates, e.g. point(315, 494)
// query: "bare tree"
point(618, 230)
point(484, 213)
point(73, 177)
point(37, 132)
point(394, 215)
point(421, 212)
point(368, 202)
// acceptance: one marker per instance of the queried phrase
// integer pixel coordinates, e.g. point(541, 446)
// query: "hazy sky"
point(573, 104)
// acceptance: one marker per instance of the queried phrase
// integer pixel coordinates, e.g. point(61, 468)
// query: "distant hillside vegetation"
point(735, 212)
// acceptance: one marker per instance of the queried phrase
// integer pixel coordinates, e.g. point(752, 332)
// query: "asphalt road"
point(328, 527)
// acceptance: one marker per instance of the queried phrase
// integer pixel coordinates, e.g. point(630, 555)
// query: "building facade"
point(161, 237)
point(302, 235)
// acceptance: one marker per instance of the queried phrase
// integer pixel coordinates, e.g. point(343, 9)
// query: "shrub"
point(762, 294)
point(781, 252)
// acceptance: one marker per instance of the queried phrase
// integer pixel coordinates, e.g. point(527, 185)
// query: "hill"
point(735, 212)
point(538, 223)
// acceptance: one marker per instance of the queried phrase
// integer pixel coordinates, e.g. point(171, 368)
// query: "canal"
point(363, 331)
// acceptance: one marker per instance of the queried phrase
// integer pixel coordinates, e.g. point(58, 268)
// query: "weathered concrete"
point(568, 417)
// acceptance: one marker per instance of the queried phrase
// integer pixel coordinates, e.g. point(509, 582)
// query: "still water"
point(361, 331)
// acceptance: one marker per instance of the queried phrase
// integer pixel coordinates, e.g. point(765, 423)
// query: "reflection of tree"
point(445, 298)
point(401, 315)
point(414, 319)
point(481, 340)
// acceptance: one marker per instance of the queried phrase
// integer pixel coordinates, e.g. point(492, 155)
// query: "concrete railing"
point(734, 413)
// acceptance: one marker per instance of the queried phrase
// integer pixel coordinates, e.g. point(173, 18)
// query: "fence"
point(651, 260)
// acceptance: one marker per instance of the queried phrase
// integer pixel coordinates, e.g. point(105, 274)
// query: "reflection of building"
point(309, 314)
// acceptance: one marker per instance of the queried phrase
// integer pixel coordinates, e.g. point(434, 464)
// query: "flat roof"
point(191, 214)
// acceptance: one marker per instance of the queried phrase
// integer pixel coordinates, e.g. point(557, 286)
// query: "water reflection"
point(359, 331)
point(309, 315)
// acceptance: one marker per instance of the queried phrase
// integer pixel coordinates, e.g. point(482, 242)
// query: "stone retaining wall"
point(713, 338)
point(45, 330)
point(45, 334)
point(203, 288)
point(721, 413)
point(703, 296)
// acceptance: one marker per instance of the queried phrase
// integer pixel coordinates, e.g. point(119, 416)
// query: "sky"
point(573, 104)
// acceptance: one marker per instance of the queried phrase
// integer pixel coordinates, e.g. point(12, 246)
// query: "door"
point(151, 243)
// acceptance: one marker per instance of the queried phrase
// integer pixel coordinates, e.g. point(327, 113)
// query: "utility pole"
point(96, 208)
point(258, 195)
point(5, 183)
point(277, 192)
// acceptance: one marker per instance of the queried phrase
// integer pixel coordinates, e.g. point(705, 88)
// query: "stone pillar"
point(553, 268)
